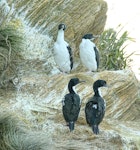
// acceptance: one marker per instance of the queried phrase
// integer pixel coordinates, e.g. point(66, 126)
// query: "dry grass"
point(11, 43)
point(14, 135)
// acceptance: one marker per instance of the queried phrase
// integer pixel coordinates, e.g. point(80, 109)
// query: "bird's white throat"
point(60, 36)
point(99, 90)
point(74, 89)
point(100, 93)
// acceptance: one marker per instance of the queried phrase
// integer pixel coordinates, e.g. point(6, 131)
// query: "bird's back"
point(95, 110)
point(71, 107)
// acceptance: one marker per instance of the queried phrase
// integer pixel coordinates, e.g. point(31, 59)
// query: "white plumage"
point(89, 54)
point(62, 51)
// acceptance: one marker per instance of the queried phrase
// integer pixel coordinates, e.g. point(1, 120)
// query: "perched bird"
point(89, 53)
point(71, 104)
point(95, 107)
point(62, 51)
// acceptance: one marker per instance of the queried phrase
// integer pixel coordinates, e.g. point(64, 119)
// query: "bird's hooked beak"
point(82, 81)
point(95, 37)
point(105, 85)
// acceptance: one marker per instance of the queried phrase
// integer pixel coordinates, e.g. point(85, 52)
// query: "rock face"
point(38, 99)
point(121, 94)
point(38, 20)
point(80, 16)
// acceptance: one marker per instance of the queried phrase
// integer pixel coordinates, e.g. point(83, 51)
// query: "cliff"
point(31, 113)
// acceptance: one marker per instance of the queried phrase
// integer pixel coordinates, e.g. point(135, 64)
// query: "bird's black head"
point(99, 83)
point(75, 81)
point(88, 36)
point(62, 26)
point(72, 83)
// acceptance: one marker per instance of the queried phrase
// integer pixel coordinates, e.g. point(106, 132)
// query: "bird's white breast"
point(99, 90)
point(94, 106)
point(87, 54)
point(61, 56)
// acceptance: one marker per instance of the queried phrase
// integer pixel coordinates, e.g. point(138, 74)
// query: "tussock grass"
point(11, 38)
point(112, 45)
point(15, 136)
point(11, 43)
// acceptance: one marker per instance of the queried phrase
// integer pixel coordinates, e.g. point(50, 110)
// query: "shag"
point(89, 53)
point(95, 107)
point(62, 51)
point(71, 104)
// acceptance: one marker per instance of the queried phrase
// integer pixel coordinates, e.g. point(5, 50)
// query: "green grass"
point(112, 45)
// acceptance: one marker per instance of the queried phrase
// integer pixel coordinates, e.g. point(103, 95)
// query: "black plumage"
point(71, 57)
point(62, 26)
point(95, 107)
point(97, 56)
point(88, 36)
point(71, 104)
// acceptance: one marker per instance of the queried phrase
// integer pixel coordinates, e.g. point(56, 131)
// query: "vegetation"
point(111, 45)
point(11, 43)
point(14, 135)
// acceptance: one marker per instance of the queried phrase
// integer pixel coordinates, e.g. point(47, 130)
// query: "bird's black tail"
point(95, 129)
point(71, 126)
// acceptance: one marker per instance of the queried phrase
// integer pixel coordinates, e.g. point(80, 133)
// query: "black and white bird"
point(62, 51)
point(95, 107)
point(71, 104)
point(89, 53)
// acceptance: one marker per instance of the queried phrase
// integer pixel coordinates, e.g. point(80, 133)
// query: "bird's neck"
point(97, 92)
point(83, 40)
point(60, 36)
point(71, 89)
point(86, 40)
